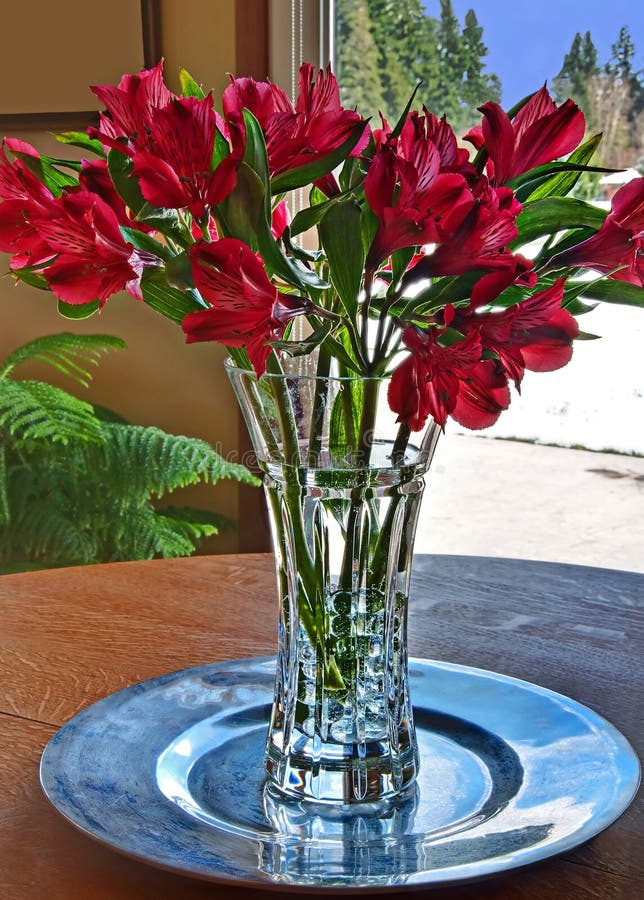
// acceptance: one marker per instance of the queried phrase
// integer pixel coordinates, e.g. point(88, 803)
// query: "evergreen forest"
point(385, 47)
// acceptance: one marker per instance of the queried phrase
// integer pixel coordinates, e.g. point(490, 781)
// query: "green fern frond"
point(150, 535)
point(45, 532)
point(35, 410)
point(137, 459)
point(4, 500)
point(197, 518)
point(65, 352)
point(77, 481)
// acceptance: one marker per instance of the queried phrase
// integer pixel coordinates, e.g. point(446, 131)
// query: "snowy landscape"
point(596, 401)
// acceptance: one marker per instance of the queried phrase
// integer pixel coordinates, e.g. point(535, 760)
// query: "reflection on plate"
point(170, 771)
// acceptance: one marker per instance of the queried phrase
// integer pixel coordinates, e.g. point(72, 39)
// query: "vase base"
point(365, 776)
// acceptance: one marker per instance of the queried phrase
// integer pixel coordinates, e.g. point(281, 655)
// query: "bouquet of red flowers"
point(440, 272)
point(454, 271)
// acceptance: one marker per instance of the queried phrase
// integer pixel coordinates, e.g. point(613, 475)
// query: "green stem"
point(400, 444)
point(285, 412)
point(378, 569)
point(363, 456)
point(320, 401)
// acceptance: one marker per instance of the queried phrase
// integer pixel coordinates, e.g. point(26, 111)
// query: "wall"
point(158, 380)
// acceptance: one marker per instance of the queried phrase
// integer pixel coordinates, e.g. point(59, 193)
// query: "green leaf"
point(256, 157)
point(403, 117)
point(167, 221)
point(339, 351)
point(313, 215)
point(449, 337)
point(553, 214)
point(240, 214)
point(189, 87)
point(538, 172)
point(441, 292)
point(31, 278)
point(178, 272)
point(310, 172)
point(120, 168)
point(344, 422)
point(306, 346)
point(340, 235)
point(299, 252)
point(170, 302)
point(614, 291)
point(143, 241)
point(220, 150)
point(561, 184)
point(78, 311)
point(577, 307)
point(45, 172)
point(400, 259)
point(243, 214)
point(368, 227)
point(81, 139)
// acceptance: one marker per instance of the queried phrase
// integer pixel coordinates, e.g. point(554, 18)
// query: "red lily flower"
point(619, 241)
point(178, 172)
point(452, 157)
point(415, 203)
point(536, 334)
point(447, 381)
point(93, 261)
point(246, 309)
point(539, 133)
point(95, 177)
point(480, 241)
point(130, 108)
point(280, 220)
point(23, 196)
point(295, 135)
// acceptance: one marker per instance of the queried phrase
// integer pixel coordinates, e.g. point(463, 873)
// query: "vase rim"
point(230, 366)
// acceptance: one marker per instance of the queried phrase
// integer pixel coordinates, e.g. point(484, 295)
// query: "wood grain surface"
point(69, 637)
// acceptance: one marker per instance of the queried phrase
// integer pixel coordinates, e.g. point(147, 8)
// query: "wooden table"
point(71, 636)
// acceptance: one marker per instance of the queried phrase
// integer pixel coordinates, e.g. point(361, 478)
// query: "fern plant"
point(78, 484)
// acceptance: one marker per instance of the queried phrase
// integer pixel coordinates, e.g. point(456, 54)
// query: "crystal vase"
point(344, 484)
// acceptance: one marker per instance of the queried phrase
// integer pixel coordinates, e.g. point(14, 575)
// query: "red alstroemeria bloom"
point(536, 334)
point(178, 172)
point(480, 241)
point(539, 133)
point(93, 260)
point(442, 381)
point(246, 309)
point(618, 243)
point(130, 108)
point(23, 196)
point(95, 177)
point(414, 202)
point(452, 157)
point(280, 219)
point(295, 135)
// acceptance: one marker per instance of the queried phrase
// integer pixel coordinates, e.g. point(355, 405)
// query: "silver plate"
point(170, 771)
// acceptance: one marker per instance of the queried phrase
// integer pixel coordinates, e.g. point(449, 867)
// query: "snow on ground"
point(596, 401)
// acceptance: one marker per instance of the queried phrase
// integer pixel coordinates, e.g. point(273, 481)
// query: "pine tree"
point(478, 86)
point(446, 93)
point(386, 47)
point(358, 72)
point(630, 84)
point(580, 65)
point(622, 52)
point(404, 36)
